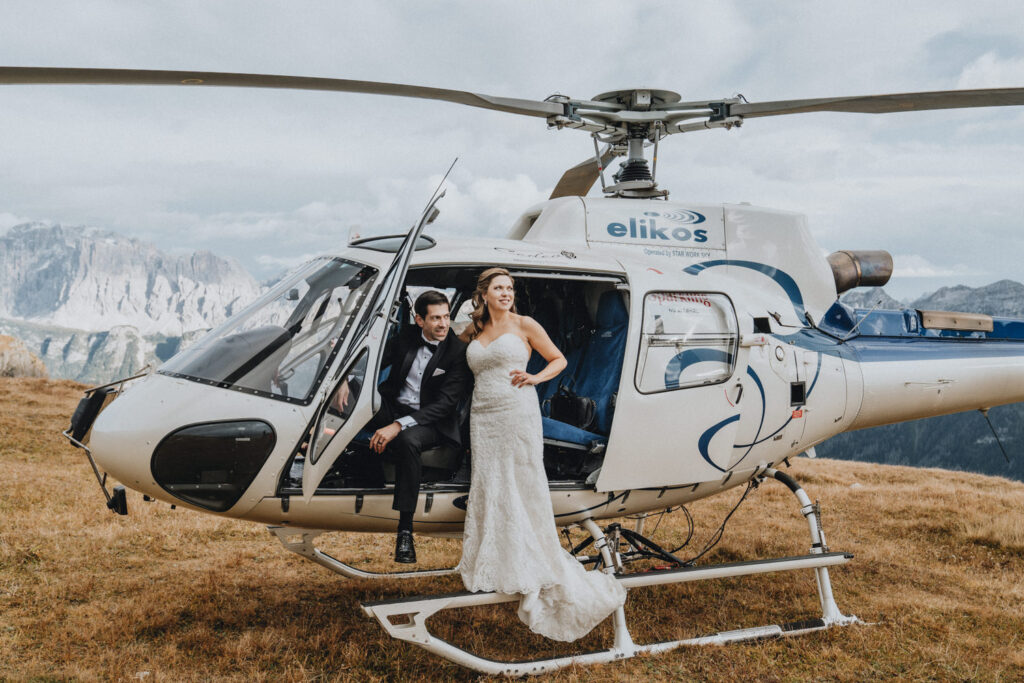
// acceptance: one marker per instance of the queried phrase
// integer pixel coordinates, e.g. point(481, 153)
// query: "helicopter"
point(708, 340)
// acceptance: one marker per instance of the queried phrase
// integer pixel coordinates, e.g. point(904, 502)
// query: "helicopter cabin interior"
point(585, 314)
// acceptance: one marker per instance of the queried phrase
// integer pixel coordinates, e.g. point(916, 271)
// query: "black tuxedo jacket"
point(446, 380)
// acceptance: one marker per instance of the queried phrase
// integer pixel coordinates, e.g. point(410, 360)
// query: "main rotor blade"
point(577, 181)
point(14, 75)
point(886, 104)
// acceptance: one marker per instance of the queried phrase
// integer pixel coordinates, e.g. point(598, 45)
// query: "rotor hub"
point(638, 99)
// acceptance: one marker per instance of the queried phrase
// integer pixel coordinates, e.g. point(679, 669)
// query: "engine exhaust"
point(860, 269)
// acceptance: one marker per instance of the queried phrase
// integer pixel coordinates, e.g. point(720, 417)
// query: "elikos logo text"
point(648, 228)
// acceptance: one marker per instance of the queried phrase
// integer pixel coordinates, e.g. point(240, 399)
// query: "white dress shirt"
point(410, 393)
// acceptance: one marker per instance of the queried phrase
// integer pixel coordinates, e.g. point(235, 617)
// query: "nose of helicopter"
point(186, 442)
point(124, 435)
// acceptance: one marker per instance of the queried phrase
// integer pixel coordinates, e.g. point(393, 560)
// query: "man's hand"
point(383, 436)
point(340, 401)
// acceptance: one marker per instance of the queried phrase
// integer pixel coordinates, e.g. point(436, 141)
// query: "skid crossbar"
point(300, 542)
point(405, 618)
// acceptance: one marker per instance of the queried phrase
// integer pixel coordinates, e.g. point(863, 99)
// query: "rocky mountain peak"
point(91, 279)
point(1002, 298)
point(873, 297)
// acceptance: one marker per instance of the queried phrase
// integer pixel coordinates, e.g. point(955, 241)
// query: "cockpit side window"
point(282, 345)
point(688, 340)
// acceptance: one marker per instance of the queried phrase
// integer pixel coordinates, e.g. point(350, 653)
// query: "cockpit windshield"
point(282, 345)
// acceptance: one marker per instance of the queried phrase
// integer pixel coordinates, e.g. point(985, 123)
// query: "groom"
point(428, 379)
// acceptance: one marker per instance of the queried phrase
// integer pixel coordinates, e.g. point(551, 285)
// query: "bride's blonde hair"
point(480, 315)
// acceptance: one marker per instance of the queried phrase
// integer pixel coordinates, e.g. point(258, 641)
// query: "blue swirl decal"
point(675, 368)
point(705, 439)
point(757, 441)
point(780, 278)
point(683, 360)
point(817, 371)
point(760, 389)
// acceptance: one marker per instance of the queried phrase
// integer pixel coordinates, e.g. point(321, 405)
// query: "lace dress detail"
point(510, 543)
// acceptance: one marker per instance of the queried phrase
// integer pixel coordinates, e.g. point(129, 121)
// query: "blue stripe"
point(817, 371)
point(705, 439)
point(897, 349)
point(781, 278)
point(683, 360)
point(903, 349)
point(784, 425)
point(760, 388)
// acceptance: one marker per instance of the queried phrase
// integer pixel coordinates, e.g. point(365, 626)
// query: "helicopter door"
point(675, 422)
point(352, 398)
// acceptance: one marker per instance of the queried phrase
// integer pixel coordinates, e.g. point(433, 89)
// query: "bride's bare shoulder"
point(528, 324)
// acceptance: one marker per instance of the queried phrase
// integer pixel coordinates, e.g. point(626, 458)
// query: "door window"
point(340, 406)
point(688, 340)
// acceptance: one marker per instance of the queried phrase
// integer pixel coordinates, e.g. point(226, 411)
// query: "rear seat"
point(592, 371)
point(600, 367)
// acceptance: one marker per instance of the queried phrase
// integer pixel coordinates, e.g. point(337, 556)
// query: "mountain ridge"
point(1000, 298)
point(95, 305)
point(91, 279)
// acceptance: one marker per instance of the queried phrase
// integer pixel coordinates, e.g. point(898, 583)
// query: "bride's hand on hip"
point(521, 378)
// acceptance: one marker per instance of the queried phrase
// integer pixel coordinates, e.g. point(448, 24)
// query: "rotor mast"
point(630, 120)
point(635, 178)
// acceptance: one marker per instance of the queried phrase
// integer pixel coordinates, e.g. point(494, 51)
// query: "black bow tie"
point(430, 346)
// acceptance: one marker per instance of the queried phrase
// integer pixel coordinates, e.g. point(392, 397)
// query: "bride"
point(510, 543)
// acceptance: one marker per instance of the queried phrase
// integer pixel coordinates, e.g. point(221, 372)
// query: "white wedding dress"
point(511, 544)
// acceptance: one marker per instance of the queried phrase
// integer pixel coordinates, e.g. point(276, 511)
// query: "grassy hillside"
point(85, 594)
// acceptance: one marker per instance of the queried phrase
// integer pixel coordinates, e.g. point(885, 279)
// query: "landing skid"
point(405, 618)
point(300, 542)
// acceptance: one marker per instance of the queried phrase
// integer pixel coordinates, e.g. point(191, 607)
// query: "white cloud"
point(9, 220)
point(488, 206)
point(989, 71)
point(916, 266)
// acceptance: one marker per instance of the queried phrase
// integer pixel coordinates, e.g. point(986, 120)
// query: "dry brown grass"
point(88, 595)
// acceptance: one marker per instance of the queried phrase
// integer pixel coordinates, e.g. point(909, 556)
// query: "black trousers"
point(405, 450)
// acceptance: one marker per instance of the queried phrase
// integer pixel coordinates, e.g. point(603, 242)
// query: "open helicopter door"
point(350, 399)
point(678, 404)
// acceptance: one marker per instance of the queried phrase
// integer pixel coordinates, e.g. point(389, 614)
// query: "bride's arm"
point(542, 344)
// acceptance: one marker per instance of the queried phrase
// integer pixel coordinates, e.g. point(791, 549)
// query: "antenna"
point(984, 414)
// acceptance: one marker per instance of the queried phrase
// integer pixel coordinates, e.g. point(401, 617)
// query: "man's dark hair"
point(429, 298)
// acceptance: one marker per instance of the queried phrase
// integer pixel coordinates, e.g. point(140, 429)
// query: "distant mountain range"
point(94, 305)
point(1003, 298)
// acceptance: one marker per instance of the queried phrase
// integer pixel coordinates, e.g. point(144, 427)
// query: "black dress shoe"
point(405, 551)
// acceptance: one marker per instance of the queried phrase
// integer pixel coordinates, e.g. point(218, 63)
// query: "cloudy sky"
point(273, 177)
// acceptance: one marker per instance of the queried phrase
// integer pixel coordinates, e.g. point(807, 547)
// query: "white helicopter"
point(706, 346)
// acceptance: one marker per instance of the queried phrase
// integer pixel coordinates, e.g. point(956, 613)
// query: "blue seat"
point(600, 366)
point(592, 370)
point(567, 434)
point(550, 316)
